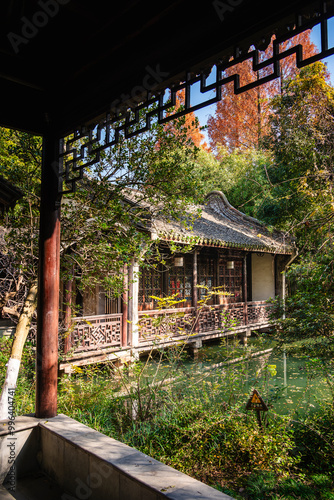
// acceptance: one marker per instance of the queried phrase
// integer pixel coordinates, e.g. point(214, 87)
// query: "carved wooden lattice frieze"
point(163, 325)
point(259, 312)
point(84, 146)
point(93, 332)
point(221, 317)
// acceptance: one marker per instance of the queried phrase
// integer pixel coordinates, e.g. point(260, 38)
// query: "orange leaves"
point(191, 125)
point(241, 121)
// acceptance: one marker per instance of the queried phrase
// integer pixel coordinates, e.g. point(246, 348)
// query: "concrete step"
point(35, 487)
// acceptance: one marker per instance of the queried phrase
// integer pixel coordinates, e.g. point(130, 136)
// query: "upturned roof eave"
point(215, 243)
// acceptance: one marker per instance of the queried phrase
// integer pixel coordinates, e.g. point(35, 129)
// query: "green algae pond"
point(288, 384)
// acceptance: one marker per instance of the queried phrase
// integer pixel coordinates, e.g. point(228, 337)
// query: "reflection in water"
point(287, 383)
point(285, 378)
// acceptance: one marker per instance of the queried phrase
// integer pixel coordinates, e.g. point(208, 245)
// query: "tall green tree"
point(301, 140)
point(151, 175)
point(301, 199)
point(289, 185)
point(20, 163)
point(20, 155)
point(241, 174)
point(104, 224)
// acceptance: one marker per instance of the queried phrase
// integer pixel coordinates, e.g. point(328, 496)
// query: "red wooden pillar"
point(48, 282)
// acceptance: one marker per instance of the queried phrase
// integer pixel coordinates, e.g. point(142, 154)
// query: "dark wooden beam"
point(48, 283)
point(118, 35)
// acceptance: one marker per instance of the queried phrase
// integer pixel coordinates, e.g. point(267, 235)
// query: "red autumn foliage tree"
point(191, 124)
point(240, 121)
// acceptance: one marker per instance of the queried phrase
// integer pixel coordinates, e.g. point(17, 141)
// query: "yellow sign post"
point(257, 404)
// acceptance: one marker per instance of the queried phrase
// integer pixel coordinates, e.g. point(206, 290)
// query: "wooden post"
point(124, 339)
point(135, 294)
point(195, 292)
point(244, 284)
point(130, 303)
point(48, 281)
point(217, 297)
point(68, 290)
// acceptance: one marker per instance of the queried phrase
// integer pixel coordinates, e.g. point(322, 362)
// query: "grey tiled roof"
point(222, 225)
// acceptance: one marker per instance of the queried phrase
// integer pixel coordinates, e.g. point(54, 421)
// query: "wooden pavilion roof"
point(222, 225)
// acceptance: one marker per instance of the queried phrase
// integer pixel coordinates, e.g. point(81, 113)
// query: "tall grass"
point(195, 421)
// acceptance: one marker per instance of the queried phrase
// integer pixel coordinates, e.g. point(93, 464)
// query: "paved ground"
point(37, 487)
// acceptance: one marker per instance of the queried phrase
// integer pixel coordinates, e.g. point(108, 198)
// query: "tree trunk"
point(13, 365)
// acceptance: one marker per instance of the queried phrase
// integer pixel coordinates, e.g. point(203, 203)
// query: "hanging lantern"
point(230, 264)
point(178, 261)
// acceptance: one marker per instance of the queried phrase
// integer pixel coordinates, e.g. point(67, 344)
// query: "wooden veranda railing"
point(258, 312)
point(95, 332)
point(91, 332)
point(161, 324)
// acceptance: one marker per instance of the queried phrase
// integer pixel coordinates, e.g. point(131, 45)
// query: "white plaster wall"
point(263, 277)
point(135, 291)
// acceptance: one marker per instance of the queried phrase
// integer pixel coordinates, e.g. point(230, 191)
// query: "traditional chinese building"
point(231, 264)
point(82, 75)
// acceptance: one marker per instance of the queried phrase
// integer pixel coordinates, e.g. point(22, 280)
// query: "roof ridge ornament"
point(217, 201)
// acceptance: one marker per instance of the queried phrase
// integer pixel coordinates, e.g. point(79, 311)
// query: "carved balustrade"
point(258, 312)
point(221, 317)
point(161, 325)
point(165, 324)
point(91, 332)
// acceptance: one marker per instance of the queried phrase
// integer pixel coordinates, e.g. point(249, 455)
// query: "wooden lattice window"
point(180, 282)
point(150, 284)
point(206, 273)
point(112, 305)
point(230, 280)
